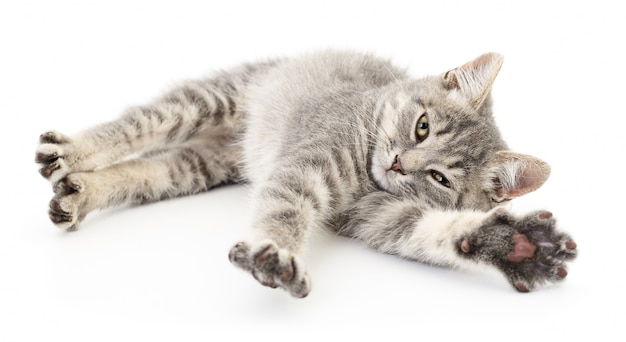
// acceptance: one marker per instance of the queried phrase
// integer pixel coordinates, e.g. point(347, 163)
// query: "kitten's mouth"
point(397, 166)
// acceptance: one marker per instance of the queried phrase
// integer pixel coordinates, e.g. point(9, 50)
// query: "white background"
point(160, 272)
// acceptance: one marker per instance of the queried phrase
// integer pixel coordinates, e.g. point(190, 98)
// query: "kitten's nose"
point(397, 166)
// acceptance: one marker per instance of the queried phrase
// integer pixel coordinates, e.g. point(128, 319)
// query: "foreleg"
point(528, 250)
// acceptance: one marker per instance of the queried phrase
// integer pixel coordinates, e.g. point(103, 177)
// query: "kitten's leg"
point(201, 107)
point(169, 173)
point(528, 250)
point(295, 201)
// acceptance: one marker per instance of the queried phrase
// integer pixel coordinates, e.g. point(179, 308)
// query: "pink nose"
point(397, 166)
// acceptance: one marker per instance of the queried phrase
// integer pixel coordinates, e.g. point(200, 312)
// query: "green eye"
point(422, 128)
point(440, 178)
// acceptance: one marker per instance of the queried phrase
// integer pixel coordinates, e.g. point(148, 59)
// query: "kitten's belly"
point(262, 142)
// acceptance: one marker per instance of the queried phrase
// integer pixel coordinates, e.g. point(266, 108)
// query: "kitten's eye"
point(440, 178)
point(422, 129)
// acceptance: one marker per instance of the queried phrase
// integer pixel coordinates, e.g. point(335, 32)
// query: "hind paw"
point(66, 209)
point(54, 156)
point(272, 266)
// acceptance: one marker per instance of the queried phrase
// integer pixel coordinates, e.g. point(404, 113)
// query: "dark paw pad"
point(521, 287)
point(52, 155)
point(269, 262)
point(63, 214)
point(68, 185)
point(57, 213)
point(49, 169)
point(46, 158)
point(68, 207)
point(240, 255)
point(53, 138)
point(272, 266)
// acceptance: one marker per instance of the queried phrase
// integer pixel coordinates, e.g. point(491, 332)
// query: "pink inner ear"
point(526, 182)
point(529, 180)
point(519, 174)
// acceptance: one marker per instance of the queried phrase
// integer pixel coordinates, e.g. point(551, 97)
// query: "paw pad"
point(272, 266)
point(544, 215)
point(521, 287)
point(522, 249)
point(53, 138)
point(67, 208)
point(54, 155)
point(528, 250)
point(571, 245)
point(466, 247)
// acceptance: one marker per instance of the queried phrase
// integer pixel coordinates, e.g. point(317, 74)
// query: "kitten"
point(335, 140)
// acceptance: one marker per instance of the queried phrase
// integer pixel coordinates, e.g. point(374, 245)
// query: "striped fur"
point(326, 141)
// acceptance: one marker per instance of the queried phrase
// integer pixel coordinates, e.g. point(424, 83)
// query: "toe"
point(41, 157)
point(239, 255)
point(289, 271)
point(466, 246)
point(47, 170)
point(52, 138)
point(571, 245)
point(544, 214)
point(521, 287)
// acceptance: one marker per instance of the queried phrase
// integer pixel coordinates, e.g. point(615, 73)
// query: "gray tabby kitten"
point(338, 141)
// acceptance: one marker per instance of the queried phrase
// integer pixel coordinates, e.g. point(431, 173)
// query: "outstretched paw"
point(67, 206)
point(52, 154)
point(272, 266)
point(528, 250)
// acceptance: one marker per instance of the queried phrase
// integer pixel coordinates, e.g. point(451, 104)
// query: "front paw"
point(272, 266)
point(53, 154)
point(528, 250)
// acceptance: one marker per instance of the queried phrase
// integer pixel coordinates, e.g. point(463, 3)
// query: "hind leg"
point(197, 108)
point(173, 172)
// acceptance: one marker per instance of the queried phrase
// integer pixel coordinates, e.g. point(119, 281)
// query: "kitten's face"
point(436, 140)
point(434, 146)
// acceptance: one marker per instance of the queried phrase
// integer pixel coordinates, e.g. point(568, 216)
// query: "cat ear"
point(474, 79)
point(511, 175)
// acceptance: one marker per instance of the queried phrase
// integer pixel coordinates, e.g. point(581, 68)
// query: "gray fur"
point(327, 141)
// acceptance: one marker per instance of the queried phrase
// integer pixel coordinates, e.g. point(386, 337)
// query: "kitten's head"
point(438, 141)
